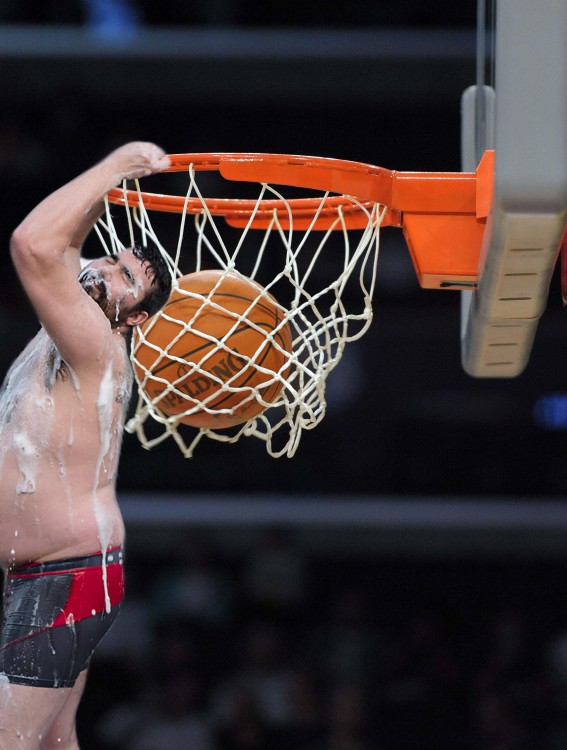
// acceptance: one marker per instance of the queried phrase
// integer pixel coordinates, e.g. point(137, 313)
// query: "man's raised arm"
point(63, 219)
point(45, 246)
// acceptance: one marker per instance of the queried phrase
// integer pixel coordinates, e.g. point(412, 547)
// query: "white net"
point(323, 281)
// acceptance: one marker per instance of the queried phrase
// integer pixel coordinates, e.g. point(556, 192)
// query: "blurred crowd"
point(270, 650)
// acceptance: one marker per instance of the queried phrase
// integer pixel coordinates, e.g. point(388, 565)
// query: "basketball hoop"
point(315, 254)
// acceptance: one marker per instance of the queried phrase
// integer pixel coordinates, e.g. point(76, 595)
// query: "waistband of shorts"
point(112, 556)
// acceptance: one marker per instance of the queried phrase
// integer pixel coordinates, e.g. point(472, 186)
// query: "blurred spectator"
point(121, 719)
point(178, 718)
point(510, 688)
point(246, 729)
point(347, 724)
point(509, 658)
point(174, 662)
point(263, 679)
point(347, 646)
point(307, 711)
point(423, 694)
point(275, 577)
point(500, 726)
point(195, 591)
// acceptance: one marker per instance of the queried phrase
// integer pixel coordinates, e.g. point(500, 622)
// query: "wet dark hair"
point(160, 275)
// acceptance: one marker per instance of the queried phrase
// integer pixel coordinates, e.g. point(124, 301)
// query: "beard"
point(98, 289)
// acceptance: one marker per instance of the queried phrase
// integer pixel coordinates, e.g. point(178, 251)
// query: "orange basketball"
point(242, 316)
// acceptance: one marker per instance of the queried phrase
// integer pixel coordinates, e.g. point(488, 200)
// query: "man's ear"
point(136, 318)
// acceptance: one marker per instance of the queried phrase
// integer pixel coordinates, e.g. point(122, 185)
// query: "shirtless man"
point(62, 411)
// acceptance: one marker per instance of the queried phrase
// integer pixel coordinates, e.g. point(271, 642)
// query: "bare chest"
point(54, 423)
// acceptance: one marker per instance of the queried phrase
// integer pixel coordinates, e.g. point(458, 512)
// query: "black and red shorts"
point(54, 615)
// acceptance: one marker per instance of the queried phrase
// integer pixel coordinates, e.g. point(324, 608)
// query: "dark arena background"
point(400, 583)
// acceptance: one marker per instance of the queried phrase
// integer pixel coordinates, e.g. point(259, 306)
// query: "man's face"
point(117, 283)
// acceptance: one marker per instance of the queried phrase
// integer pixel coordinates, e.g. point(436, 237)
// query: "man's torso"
point(60, 438)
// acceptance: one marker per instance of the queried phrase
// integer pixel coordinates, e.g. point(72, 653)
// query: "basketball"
point(215, 342)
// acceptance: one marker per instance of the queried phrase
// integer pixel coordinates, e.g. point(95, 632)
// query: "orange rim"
point(439, 211)
point(438, 192)
point(237, 211)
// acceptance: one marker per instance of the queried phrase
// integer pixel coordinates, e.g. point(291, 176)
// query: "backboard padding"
point(527, 219)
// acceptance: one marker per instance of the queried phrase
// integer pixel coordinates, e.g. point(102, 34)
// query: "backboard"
point(518, 107)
